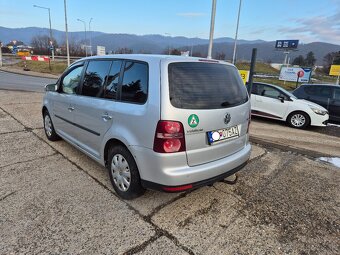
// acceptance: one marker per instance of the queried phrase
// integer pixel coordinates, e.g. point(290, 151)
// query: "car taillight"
point(169, 137)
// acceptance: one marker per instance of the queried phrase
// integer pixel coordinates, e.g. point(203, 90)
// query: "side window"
point(311, 90)
point(326, 92)
point(337, 94)
point(71, 81)
point(135, 82)
point(268, 91)
point(254, 88)
point(111, 88)
point(259, 89)
point(95, 77)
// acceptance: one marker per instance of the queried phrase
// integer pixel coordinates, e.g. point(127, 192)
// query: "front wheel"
point(49, 128)
point(298, 120)
point(124, 174)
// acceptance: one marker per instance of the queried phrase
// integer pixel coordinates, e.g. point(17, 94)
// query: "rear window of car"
point(195, 85)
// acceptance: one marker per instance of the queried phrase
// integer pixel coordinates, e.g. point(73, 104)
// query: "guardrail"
point(55, 57)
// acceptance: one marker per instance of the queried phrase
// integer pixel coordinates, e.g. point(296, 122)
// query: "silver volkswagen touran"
point(168, 123)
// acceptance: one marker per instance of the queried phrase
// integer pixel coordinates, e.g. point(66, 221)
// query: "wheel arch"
point(299, 111)
point(44, 108)
point(109, 143)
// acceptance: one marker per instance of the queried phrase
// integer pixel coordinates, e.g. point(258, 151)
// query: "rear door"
point(212, 103)
point(94, 108)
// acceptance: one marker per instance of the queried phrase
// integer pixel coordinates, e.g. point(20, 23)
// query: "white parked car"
point(274, 102)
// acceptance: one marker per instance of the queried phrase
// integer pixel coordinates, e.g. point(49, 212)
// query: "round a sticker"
point(193, 120)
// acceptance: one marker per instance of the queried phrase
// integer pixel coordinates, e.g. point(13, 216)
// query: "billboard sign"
point(100, 50)
point(286, 44)
point(292, 73)
point(335, 70)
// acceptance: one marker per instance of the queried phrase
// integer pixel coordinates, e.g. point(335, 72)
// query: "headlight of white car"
point(318, 111)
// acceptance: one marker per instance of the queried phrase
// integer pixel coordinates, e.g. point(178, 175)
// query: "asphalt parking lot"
point(56, 200)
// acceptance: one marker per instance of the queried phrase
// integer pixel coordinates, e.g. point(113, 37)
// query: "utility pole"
point(238, 21)
point(66, 32)
point(212, 25)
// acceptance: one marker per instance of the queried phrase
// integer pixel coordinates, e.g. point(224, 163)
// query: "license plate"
point(222, 134)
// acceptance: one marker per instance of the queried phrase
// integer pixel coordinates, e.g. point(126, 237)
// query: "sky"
point(305, 20)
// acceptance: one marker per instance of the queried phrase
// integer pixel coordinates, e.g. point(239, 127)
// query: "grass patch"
point(262, 68)
point(288, 85)
point(57, 67)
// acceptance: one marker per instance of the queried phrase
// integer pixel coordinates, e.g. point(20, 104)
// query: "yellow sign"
point(244, 75)
point(335, 70)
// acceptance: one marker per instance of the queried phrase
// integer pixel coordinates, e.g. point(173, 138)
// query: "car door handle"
point(106, 117)
point(70, 108)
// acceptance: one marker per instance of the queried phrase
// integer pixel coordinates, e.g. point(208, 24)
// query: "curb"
point(29, 73)
point(283, 147)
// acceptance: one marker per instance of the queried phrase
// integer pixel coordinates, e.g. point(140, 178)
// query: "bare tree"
point(220, 56)
point(124, 51)
point(41, 44)
point(75, 48)
point(332, 58)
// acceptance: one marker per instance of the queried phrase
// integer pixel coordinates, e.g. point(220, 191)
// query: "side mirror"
point(281, 98)
point(51, 87)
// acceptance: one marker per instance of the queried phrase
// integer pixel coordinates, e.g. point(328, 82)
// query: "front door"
point(269, 104)
point(63, 103)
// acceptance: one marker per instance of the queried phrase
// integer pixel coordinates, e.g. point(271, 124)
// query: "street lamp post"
point(66, 33)
point(90, 34)
point(238, 21)
point(49, 19)
point(85, 35)
point(212, 24)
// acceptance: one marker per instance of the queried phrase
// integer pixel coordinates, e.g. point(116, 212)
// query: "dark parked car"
point(327, 96)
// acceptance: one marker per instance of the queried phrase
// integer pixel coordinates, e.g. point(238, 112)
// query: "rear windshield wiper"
point(226, 103)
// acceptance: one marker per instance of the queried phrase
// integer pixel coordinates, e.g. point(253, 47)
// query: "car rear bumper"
point(169, 170)
point(187, 186)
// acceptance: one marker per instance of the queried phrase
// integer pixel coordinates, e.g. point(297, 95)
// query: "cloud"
point(315, 28)
point(191, 14)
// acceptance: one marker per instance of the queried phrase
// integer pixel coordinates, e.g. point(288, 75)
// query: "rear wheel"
point(298, 120)
point(124, 174)
point(49, 128)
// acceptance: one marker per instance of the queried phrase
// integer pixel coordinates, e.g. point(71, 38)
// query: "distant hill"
point(159, 44)
point(266, 51)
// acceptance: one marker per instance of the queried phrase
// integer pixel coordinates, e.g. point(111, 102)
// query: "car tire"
point(49, 128)
point(124, 174)
point(299, 120)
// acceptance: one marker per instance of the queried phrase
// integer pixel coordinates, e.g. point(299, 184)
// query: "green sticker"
point(193, 120)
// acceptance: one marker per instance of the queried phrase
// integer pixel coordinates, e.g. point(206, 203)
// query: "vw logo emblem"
point(227, 118)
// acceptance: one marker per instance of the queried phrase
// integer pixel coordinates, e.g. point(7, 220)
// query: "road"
point(56, 200)
point(23, 82)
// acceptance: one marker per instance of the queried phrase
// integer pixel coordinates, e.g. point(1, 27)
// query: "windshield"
point(195, 85)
